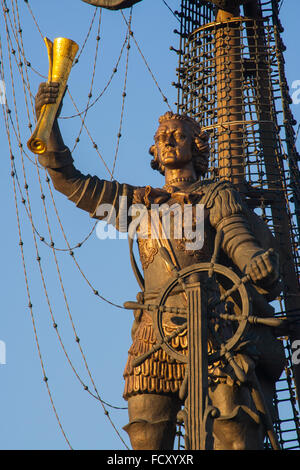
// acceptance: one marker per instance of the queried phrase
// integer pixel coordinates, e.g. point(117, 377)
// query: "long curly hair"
point(200, 146)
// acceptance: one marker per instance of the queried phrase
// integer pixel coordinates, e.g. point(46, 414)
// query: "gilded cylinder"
point(63, 53)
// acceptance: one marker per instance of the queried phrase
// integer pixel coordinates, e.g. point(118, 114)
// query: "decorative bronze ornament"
point(112, 4)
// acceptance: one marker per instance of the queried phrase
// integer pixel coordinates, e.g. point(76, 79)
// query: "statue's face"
point(173, 143)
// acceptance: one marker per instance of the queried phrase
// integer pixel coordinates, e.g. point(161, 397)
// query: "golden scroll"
point(61, 54)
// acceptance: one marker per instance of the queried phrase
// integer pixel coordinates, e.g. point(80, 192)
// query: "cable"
point(30, 216)
point(123, 96)
point(172, 11)
point(165, 99)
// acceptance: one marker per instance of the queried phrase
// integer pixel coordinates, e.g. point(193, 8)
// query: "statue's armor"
point(160, 373)
point(224, 210)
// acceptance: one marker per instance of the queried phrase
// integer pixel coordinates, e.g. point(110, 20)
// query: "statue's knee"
point(151, 436)
point(239, 444)
point(241, 432)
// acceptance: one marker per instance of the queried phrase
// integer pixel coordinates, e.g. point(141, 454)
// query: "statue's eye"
point(161, 138)
point(180, 136)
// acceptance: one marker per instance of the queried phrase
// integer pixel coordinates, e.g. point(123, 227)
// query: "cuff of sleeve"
point(58, 159)
point(230, 220)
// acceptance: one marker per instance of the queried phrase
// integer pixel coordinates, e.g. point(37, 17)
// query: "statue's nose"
point(170, 141)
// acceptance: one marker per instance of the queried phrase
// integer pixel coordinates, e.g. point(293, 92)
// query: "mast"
point(231, 79)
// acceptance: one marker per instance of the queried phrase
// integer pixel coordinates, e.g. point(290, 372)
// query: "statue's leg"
point(238, 426)
point(152, 421)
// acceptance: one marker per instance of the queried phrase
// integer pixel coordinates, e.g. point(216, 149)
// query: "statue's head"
point(186, 141)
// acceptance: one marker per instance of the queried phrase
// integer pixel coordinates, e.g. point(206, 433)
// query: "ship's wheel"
point(228, 308)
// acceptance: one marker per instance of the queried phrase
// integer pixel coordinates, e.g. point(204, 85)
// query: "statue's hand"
point(149, 195)
point(47, 94)
point(264, 269)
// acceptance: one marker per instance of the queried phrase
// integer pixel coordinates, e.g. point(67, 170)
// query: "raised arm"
point(86, 191)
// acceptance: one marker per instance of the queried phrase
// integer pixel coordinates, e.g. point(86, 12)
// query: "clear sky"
point(27, 417)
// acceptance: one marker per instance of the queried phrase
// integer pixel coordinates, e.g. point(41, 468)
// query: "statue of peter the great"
point(180, 153)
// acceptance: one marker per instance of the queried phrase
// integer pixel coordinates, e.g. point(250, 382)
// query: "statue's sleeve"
point(89, 193)
point(228, 213)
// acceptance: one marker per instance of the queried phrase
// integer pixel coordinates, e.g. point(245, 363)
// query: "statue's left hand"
point(264, 269)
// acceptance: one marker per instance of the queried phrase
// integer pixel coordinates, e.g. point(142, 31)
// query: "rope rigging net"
point(16, 71)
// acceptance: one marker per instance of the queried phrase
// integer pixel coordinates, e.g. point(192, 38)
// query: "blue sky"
point(28, 420)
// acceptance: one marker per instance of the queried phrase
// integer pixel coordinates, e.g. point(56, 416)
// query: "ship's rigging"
point(16, 68)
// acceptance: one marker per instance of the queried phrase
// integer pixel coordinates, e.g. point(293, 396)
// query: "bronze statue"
point(152, 389)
